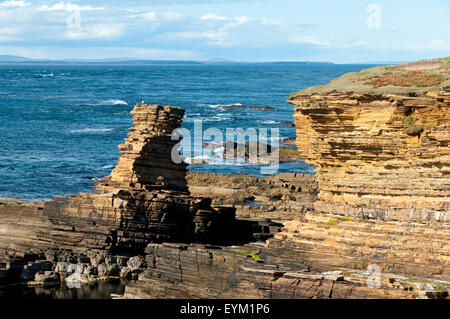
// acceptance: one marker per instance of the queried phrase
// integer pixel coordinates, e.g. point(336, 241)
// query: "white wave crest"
point(215, 106)
point(45, 75)
point(270, 122)
point(92, 130)
point(113, 102)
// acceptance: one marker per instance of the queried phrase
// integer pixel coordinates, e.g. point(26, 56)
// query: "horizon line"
point(22, 59)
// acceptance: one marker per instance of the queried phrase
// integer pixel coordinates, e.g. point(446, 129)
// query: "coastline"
point(362, 227)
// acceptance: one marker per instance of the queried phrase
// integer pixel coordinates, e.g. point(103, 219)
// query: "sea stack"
point(145, 199)
point(146, 162)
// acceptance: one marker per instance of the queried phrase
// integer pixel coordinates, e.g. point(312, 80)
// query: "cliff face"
point(382, 163)
point(376, 154)
point(382, 157)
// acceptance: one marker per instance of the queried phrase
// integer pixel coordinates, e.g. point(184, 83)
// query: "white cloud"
point(8, 33)
point(215, 38)
point(172, 16)
point(161, 53)
point(62, 6)
point(149, 16)
point(438, 44)
point(10, 30)
point(14, 4)
point(229, 21)
point(308, 40)
point(98, 31)
point(154, 16)
point(213, 16)
point(218, 32)
point(361, 42)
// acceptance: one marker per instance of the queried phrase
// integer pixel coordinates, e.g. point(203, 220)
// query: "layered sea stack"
point(145, 199)
point(379, 141)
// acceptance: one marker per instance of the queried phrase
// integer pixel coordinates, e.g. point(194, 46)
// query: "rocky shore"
point(373, 222)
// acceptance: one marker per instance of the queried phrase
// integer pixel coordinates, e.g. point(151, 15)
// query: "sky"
point(346, 31)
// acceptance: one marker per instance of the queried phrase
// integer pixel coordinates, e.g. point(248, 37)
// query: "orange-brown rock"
point(146, 154)
point(193, 271)
point(145, 199)
point(381, 155)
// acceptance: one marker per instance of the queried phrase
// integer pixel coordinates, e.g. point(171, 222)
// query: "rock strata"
point(379, 146)
point(193, 271)
point(380, 155)
point(377, 229)
point(144, 199)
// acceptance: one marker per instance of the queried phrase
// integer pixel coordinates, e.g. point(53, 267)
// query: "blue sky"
point(347, 31)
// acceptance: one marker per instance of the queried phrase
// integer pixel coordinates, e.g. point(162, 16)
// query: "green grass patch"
point(409, 120)
point(252, 256)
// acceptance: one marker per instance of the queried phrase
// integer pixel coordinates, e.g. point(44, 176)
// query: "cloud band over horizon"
point(253, 30)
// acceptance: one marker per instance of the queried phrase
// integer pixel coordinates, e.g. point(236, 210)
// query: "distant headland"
point(20, 59)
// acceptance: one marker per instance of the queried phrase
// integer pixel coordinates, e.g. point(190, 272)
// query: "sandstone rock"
point(136, 263)
point(144, 199)
point(122, 261)
point(111, 270)
point(365, 161)
point(62, 266)
point(97, 260)
point(47, 277)
point(381, 158)
point(125, 273)
point(181, 271)
point(76, 279)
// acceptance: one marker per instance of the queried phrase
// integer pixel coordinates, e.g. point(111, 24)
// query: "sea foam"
point(92, 130)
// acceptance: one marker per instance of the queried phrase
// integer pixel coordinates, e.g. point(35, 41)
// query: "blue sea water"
point(60, 124)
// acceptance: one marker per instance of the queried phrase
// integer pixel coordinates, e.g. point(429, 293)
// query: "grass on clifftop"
point(418, 77)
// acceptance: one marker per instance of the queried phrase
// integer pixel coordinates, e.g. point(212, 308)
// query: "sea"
point(60, 124)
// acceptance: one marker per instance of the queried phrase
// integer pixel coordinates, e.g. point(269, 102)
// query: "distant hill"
point(13, 58)
point(19, 59)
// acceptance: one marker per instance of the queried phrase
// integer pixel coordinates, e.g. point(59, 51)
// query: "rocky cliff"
point(378, 229)
point(379, 141)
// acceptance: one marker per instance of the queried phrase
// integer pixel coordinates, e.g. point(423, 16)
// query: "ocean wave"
point(45, 75)
point(114, 102)
point(92, 130)
point(270, 122)
point(207, 119)
point(215, 106)
point(108, 102)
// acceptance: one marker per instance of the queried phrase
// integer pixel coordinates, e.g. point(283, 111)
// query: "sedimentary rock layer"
point(379, 142)
point(145, 199)
point(146, 154)
point(383, 155)
point(183, 271)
